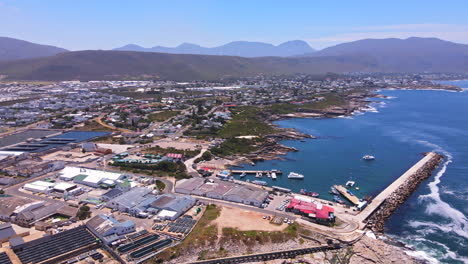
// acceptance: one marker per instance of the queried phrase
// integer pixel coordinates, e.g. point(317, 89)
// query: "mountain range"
point(15, 49)
point(236, 48)
point(368, 55)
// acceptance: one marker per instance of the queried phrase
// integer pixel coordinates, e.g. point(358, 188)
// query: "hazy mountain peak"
point(14, 49)
point(234, 48)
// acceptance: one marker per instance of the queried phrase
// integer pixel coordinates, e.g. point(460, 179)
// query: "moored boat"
point(257, 182)
point(311, 194)
point(294, 175)
point(338, 199)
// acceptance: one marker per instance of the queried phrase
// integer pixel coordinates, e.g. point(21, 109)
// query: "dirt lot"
point(245, 220)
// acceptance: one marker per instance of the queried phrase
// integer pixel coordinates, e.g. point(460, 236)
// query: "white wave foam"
point(346, 117)
point(459, 223)
point(422, 255)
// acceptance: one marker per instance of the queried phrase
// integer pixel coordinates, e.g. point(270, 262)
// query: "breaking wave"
point(436, 206)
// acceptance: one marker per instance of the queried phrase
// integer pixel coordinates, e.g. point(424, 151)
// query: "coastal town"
point(154, 171)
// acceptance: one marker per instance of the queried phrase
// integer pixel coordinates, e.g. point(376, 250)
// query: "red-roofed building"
point(321, 213)
point(174, 156)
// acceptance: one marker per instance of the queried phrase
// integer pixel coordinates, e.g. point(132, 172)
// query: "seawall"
point(382, 207)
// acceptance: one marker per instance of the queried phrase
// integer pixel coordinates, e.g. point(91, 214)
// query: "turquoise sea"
point(433, 221)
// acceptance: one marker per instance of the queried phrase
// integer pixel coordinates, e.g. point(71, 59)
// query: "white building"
point(89, 177)
point(39, 187)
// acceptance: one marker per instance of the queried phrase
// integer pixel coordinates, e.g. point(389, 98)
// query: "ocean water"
point(433, 221)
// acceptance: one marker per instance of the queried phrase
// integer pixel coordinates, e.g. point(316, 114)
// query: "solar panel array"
point(137, 234)
point(49, 247)
point(138, 243)
point(182, 225)
point(151, 248)
point(4, 259)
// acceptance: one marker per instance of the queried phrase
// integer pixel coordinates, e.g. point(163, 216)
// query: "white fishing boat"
point(294, 175)
point(368, 157)
point(243, 174)
point(273, 175)
point(350, 183)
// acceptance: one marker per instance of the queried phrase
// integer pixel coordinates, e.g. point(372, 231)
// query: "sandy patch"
point(245, 220)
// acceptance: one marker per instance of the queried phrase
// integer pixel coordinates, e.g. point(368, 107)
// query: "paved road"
point(189, 162)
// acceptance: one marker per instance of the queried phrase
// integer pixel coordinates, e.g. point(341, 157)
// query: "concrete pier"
point(383, 205)
point(255, 171)
point(344, 192)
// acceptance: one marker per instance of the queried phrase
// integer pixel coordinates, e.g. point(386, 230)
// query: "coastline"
point(356, 103)
point(407, 250)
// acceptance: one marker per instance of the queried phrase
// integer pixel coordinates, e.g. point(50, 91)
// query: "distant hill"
point(405, 55)
point(15, 49)
point(236, 48)
point(370, 55)
point(98, 65)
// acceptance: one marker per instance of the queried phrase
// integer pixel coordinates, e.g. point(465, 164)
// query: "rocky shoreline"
point(377, 220)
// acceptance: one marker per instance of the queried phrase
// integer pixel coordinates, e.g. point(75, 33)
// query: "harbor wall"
point(377, 219)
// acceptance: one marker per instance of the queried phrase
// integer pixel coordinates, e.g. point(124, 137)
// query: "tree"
point(207, 155)
point(83, 212)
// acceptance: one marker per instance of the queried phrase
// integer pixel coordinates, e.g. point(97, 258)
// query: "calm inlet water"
point(397, 130)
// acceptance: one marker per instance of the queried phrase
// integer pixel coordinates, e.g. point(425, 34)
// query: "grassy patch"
point(162, 116)
point(157, 150)
point(246, 121)
point(252, 237)
point(235, 146)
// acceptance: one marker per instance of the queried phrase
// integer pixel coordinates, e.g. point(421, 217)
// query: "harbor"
point(277, 172)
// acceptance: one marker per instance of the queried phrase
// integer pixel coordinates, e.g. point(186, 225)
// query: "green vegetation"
point(162, 116)
point(330, 100)
point(157, 150)
point(204, 235)
point(83, 212)
point(250, 238)
point(160, 185)
point(233, 146)
point(163, 168)
point(246, 121)
point(206, 156)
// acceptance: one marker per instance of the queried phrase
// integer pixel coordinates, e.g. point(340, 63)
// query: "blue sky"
point(106, 24)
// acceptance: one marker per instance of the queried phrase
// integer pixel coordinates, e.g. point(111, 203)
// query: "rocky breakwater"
point(270, 149)
point(395, 199)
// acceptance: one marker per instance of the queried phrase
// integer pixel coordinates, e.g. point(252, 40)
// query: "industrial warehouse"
point(222, 190)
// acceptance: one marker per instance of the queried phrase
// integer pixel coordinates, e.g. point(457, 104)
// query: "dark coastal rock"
point(377, 220)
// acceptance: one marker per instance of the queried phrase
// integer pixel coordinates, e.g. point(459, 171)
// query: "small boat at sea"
point(350, 183)
point(357, 188)
point(273, 175)
point(243, 174)
point(338, 199)
point(368, 157)
point(294, 175)
point(311, 194)
point(261, 183)
point(334, 191)
point(258, 175)
point(268, 175)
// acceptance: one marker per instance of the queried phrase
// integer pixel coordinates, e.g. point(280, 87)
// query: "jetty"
point(256, 171)
point(384, 204)
point(343, 191)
